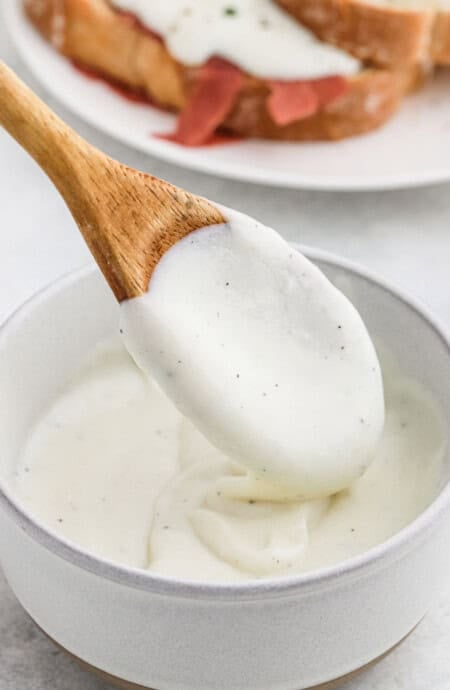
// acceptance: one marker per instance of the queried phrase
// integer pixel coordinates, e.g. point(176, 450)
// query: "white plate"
point(413, 149)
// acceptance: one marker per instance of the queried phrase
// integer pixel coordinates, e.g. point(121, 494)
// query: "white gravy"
point(264, 355)
point(113, 467)
point(255, 35)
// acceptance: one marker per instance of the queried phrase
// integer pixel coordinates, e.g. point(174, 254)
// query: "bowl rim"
point(136, 578)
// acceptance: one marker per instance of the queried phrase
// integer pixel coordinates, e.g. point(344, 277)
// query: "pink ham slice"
point(217, 86)
point(290, 101)
point(329, 89)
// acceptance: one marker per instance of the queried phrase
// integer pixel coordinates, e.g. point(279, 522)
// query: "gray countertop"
point(404, 236)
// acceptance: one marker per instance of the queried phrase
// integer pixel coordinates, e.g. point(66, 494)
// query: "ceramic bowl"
point(155, 632)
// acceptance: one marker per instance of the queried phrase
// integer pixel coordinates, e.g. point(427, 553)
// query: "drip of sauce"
point(255, 35)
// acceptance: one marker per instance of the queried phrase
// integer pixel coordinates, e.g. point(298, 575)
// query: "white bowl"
point(283, 634)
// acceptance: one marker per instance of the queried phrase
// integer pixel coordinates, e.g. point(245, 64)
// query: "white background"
point(404, 236)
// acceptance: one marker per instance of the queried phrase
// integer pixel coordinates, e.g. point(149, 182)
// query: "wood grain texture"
point(128, 219)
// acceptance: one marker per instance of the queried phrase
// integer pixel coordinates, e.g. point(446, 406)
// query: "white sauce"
point(264, 355)
point(274, 366)
point(113, 467)
point(255, 35)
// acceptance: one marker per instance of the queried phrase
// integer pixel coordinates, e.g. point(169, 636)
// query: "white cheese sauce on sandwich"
point(256, 35)
point(264, 355)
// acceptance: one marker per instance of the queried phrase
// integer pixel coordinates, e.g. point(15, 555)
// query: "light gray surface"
point(404, 236)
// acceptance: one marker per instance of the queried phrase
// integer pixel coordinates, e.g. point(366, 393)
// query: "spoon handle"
point(128, 219)
point(57, 149)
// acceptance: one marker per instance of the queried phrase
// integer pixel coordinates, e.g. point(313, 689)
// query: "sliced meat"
point(329, 89)
point(290, 101)
point(217, 86)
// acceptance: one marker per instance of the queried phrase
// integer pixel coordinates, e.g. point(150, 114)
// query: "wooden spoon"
point(128, 219)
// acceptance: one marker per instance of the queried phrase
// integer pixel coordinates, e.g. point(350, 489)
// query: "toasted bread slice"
point(387, 32)
point(90, 32)
point(373, 96)
point(440, 41)
point(94, 34)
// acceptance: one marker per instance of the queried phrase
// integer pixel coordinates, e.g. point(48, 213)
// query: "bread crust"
point(384, 35)
point(94, 34)
point(387, 36)
point(440, 46)
point(373, 97)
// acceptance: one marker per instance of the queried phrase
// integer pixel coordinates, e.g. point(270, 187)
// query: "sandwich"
point(270, 69)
